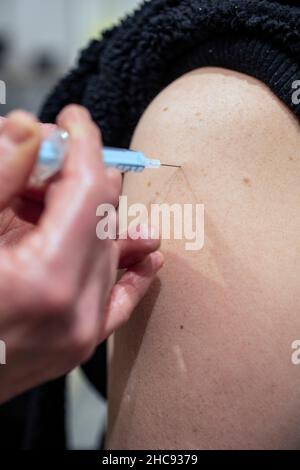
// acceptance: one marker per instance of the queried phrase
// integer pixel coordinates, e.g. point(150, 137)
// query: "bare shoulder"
point(210, 104)
point(206, 360)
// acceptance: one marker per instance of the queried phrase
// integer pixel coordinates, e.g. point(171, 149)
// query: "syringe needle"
point(171, 166)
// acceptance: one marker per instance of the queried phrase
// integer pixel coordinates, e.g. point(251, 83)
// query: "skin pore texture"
point(205, 362)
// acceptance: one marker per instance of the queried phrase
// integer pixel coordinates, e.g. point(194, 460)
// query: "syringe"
point(52, 153)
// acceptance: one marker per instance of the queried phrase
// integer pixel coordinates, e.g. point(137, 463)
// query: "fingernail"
point(77, 113)
point(147, 232)
point(78, 117)
point(14, 132)
point(157, 260)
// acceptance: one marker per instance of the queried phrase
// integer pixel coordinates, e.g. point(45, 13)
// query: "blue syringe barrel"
point(127, 160)
point(52, 153)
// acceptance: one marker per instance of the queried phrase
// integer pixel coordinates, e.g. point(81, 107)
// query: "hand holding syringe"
point(57, 279)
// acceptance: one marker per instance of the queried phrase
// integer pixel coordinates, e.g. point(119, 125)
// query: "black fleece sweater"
point(117, 77)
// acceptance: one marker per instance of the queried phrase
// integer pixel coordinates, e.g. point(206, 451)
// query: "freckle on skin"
point(247, 181)
point(181, 327)
point(157, 194)
point(165, 109)
point(291, 159)
point(149, 184)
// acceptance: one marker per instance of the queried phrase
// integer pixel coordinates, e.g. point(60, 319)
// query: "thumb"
point(19, 143)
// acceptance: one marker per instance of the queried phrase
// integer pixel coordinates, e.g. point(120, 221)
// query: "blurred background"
point(39, 42)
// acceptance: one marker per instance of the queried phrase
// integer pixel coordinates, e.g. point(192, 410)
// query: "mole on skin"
point(247, 181)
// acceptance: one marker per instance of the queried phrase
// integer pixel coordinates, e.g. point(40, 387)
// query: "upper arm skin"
point(205, 362)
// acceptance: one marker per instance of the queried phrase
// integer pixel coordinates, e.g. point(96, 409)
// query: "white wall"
point(61, 26)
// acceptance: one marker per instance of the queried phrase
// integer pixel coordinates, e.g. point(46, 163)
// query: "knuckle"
point(95, 189)
point(92, 184)
point(89, 192)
